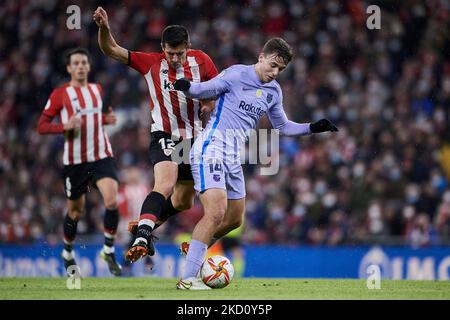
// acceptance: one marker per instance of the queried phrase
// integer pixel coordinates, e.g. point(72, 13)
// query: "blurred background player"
point(88, 156)
point(174, 118)
point(246, 93)
point(132, 192)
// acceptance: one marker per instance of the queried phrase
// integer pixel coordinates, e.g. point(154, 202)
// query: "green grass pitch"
point(239, 289)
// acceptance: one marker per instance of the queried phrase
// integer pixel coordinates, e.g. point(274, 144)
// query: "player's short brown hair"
point(280, 47)
point(71, 52)
point(175, 35)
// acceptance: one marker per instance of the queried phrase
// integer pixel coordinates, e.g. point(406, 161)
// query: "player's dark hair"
point(280, 47)
point(175, 35)
point(71, 52)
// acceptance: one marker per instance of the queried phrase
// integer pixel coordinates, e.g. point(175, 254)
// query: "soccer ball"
point(217, 272)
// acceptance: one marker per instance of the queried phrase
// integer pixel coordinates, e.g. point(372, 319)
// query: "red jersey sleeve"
point(51, 109)
point(210, 68)
point(54, 103)
point(142, 62)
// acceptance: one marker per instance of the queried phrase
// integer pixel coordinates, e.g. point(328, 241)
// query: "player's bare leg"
point(233, 219)
point(75, 211)
point(109, 189)
point(181, 199)
point(166, 174)
point(214, 202)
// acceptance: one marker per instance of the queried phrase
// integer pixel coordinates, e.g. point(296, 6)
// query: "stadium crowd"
point(383, 178)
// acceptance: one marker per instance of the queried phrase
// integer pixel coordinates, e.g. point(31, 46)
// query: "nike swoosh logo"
point(186, 285)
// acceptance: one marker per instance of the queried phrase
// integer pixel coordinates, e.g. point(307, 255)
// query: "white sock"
point(194, 259)
point(139, 239)
point(108, 249)
point(146, 222)
point(68, 255)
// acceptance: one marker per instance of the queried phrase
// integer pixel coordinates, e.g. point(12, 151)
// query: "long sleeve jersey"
point(242, 100)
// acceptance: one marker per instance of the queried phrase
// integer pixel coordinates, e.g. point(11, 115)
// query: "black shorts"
point(163, 147)
point(77, 177)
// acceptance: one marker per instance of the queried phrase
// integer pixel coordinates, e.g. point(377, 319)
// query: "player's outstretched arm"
point(201, 90)
point(279, 120)
point(105, 39)
point(291, 128)
point(207, 104)
point(182, 84)
point(323, 125)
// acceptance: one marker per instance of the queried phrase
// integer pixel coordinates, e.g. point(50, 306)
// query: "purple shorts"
point(211, 170)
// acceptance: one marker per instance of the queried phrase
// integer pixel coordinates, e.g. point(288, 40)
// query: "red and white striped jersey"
point(131, 197)
point(172, 112)
point(89, 142)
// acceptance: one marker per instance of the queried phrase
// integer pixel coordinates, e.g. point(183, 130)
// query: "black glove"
point(182, 84)
point(322, 125)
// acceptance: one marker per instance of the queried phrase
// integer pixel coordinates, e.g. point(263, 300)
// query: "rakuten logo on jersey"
point(252, 111)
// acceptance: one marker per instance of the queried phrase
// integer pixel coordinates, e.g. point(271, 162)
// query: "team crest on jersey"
point(168, 152)
point(269, 97)
point(216, 177)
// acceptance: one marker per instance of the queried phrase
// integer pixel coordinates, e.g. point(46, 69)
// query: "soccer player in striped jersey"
point(88, 156)
point(174, 118)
